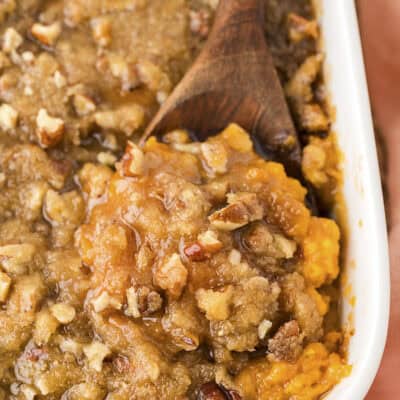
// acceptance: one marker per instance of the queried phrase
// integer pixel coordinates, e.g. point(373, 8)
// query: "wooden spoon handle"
point(239, 11)
point(238, 26)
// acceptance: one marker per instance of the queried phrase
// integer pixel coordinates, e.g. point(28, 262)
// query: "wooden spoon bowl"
point(234, 80)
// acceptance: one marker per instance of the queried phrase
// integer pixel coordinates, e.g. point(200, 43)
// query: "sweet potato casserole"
point(175, 270)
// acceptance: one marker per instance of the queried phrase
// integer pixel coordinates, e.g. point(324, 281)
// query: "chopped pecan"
point(263, 328)
point(59, 79)
point(35, 353)
point(8, 117)
point(96, 352)
point(313, 118)
point(230, 217)
point(126, 72)
point(45, 326)
point(105, 301)
point(153, 77)
point(242, 208)
point(142, 301)
point(132, 163)
point(49, 130)
point(213, 391)
point(171, 275)
point(83, 104)
point(259, 240)
point(180, 136)
point(215, 303)
point(121, 364)
point(101, 31)
point(215, 156)
point(195, 252)
point(209, 241)
point(63, 313)
point(126, 118)
point(15, 257)
point(46, 34)
point(11, 40)
point(286, 345)
point(200, 22)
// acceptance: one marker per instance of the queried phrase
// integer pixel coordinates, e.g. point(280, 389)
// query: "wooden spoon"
point(234, 80)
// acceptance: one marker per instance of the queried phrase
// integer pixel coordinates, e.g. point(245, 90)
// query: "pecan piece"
point(195, 252)
point(46, 34)
point(49, 129)
point(213, 391)
point(132, 163)
point(286, 345)
point(242, 209)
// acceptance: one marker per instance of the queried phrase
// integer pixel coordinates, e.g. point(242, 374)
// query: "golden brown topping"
point(49, 130)
point(46, 34)
point(313, 119)
point(300, 28)
point(215, 303)
point(299, 87)
point(94, 179)
point(126, 72)
point(15, 257)
point(8, 117)
point(85, 391)
point(171, 275)
point(153, 77)
point(126, 118)
point(65, 208)
point(259, 240)
point(132, 162)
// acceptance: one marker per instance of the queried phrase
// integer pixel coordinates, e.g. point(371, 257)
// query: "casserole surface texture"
point(177, 271)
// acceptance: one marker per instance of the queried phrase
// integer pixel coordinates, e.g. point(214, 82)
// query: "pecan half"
point(213, 391)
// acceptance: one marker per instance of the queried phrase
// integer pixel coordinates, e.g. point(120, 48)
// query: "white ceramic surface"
point(367, 257)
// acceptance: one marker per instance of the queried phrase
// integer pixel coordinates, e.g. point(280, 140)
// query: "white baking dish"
point(366, 263)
